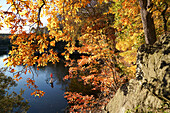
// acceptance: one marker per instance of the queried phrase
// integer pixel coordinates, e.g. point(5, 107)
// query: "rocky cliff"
point(150, 91)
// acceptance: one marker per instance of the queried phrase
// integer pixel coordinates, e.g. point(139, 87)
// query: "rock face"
point(150, 91)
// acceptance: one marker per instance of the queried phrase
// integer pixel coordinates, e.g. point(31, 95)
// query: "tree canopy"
point(107, 34)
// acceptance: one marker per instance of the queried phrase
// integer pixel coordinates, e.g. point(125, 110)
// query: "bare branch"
point(38, 19)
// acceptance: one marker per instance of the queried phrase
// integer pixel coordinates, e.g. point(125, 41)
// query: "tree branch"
point(38, 19)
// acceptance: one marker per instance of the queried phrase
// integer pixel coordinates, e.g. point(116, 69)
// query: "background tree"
point(11, 102)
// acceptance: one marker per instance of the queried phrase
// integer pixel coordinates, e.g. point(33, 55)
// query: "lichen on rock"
point(150, 91)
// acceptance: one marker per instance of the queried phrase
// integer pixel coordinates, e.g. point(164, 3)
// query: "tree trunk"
point(147, 20)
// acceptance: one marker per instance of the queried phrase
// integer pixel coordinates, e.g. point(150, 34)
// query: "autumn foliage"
point(106, 32)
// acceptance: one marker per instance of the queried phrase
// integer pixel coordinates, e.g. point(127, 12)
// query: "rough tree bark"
point(147, 20)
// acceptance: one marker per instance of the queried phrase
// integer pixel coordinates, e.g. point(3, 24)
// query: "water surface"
point(53, 101)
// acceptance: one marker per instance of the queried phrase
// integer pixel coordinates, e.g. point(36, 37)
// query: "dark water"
point(53, 101)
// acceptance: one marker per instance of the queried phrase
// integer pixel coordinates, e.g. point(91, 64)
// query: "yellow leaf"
point(37, 95)
point(52, 43)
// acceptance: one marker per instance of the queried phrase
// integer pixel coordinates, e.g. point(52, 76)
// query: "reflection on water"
point(11, 103)
point(53, 101)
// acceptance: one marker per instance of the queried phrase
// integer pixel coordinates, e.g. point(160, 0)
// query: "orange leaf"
point(5, 59)
point(52, 43)
point(20, 78)
point(25, 71)
point(29, 71)
point(12, 70)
